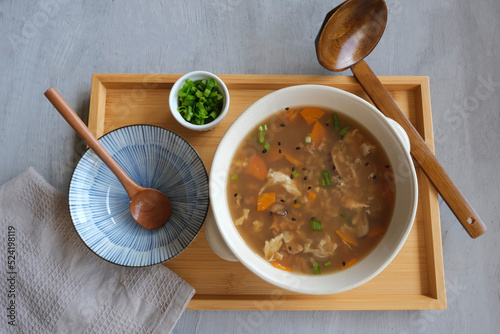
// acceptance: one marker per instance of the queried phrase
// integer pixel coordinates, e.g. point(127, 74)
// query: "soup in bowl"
point(313, 189)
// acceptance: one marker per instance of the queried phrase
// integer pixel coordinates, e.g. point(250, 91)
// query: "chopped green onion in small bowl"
point(199, 100)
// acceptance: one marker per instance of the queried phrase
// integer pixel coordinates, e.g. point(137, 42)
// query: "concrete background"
point(456, 43)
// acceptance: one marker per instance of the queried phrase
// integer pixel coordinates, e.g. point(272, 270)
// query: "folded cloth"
point(55, 284)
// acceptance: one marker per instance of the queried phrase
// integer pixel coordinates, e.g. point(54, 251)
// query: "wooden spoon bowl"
point(352, 34)
point(349, 34)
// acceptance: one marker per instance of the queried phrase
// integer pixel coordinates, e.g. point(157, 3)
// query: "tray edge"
point(420, 86)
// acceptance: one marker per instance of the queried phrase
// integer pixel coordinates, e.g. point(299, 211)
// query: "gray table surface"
point(456, 43)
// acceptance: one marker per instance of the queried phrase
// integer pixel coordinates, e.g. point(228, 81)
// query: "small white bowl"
point(173, 100)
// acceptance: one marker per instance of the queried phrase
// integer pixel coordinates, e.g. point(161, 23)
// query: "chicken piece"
point(338, 181)
point(361, 224)
point(257, 225)
point(287, 236)
point(307, 246)
point(282, 179)
point(367, 149)
point(272, 246)
point(240, 220)
point(352, 204)
point(326, 247)
point(294, 247)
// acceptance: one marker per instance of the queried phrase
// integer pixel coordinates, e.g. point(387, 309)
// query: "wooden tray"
point(414, 280)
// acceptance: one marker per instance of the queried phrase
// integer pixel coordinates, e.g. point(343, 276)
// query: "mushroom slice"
point(278, 209)
point(361, 224)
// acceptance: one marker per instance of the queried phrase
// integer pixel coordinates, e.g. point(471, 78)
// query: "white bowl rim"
point(173, 101)
point(279, 276)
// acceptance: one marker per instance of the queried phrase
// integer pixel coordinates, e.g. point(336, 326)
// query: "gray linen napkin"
point(55, 284)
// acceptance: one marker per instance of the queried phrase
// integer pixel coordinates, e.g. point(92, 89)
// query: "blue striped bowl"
point(154, 157)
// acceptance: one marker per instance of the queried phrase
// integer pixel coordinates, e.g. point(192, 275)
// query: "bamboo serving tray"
point(414, 280)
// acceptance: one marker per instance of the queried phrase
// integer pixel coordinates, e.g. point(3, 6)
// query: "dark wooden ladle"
point(149, 207)
point(350, 32)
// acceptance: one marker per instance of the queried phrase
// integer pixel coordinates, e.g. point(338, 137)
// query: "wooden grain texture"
point(421, 152)
point(351, 32)
point(417, 271)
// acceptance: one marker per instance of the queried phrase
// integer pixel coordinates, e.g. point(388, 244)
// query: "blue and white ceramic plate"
point(154, 157)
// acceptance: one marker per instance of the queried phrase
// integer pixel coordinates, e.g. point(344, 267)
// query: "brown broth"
point(343, 181)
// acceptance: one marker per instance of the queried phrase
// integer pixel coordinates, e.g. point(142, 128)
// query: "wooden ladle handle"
point(420, 151)
point(77, 124)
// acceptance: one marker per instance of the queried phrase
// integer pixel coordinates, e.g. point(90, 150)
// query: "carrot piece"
point(376, 230)
point(280, 266)
point(265, 200)
point(318, 133)
point(291, 114)
point(294, 116)
point(257, 167)
point(311, 196)
point(290, 158)
point(347, 237)
point(288, 113)
point(297, 205)
point(311, 114)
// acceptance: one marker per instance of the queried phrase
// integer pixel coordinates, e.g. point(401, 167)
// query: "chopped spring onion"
point(200, 102)
point(267, 146)
point(344, 130)
point(326, 179)
point(234, 177)
point(308, 139)
point(262, 134)
point(327, 264)
point(336, 122)
point(316, 225)
point(295, 173)
point(316, 268)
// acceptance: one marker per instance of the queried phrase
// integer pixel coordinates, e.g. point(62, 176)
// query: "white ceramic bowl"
point(173, 100)
point(391, 137)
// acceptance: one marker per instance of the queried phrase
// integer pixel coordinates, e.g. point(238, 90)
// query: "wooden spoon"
point(149, 207)
point(351, 32)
